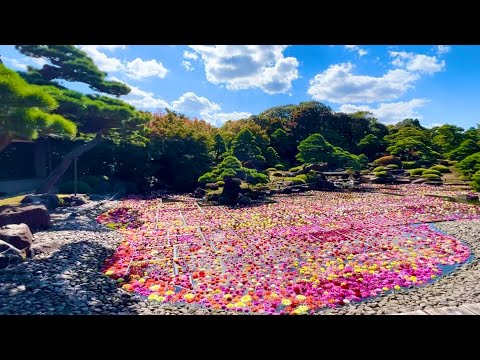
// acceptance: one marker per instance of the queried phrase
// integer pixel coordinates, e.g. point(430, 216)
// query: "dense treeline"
point(120, 146)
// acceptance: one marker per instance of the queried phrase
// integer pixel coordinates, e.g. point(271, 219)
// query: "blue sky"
point(436, 84)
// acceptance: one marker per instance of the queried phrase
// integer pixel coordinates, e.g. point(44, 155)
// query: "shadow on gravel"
point(67, 282)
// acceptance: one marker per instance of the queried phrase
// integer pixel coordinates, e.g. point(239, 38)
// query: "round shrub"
point(452, 162)
point(441, 168)
point(379, 168)
point(279, 167)
point(302, 176)
point(220, 183)
point(392, 166)
point(409, 164)
point(271, 169)
point(364, 172)
point(444, 162)
point(465, 177)
point(431, 176)
point(476, 181)
point(208, 177)
point(387, 160)
point(256, 178)
point(380, 173)
point(429, 171)
point(296, 168)
point(418, 171)
point(298, 180)
point(69, 187)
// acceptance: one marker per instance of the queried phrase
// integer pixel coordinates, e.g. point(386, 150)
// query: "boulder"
point(211, 186)
point(243, 200)
point(419, 181)
point(314, 167)
point(17, 235)
point(35, 216)
point(9, 255)
point(73, 200)
point(230, 192)
point(199, 193)
point(51, 201)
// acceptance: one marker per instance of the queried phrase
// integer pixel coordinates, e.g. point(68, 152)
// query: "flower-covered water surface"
point(295, 256)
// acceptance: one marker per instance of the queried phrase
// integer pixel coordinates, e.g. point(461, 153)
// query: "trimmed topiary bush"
point(418, 171)
point(220, 183)
point(441, 168)
point(380, 173)
point(452, 162)
point(302, 176)
point(429, 171)
point(465, 177)
point(279, 167)
point(387, 160)
point(409, 164)
point(392, 166)
point(69, 187)
point(431, 176)
point(296, 168)
point(379, 168)
point(256, 178)
point(476, 181)
point(271, 169)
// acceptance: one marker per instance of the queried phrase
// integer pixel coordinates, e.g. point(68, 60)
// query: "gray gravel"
point(63, 277)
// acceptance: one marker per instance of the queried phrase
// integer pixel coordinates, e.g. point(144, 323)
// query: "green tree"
point(411, 143)
point(466, 148)
point(25, 111)
point(245, 148)
point(219, 146)
point(69, 63)
point(315, 149)
point(476, 181)
point(447, 137)
point(371, 145)
point(271, 157)
point(470, 165)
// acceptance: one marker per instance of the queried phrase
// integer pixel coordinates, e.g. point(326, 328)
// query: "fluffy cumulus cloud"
point(338, 84)
point(190, 55)
point(144, 100)
point(249, 66)
point(187, 65)
point(23, 62)
point(192, 104)
point(443, 49)
point(390, 113)
point(417, 62)
point(136, 69)
point(356, 48)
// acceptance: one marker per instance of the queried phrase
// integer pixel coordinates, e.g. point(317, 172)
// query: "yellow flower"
point(227, 297)
point(413, 278)
point(188, 296)
point(274, 295)
point(433, 276)
point(239, 304)
point(169, 292)
point(396, 287)
point(160, 298)
point(246, 299)
point(154, 287)
point(301, 297)
point(109, 272)
point(142, 280)
point(301, 310)
point(385, 288)
point(230, 306)
point(286, 302)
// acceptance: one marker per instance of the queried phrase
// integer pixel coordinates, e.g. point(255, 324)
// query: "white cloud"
point(356, 48)
point(144, 100)
point(249, 66)
point(187, 65)
point(417, 62)
point(23, 62)
point(140, 69)
point(190, 55)
point(111, 47)
point(337, 84)
point(104, 62)
point(195, 105)
point(136, 69)
point(443, 49)
point(432, 125)
point(390, 113)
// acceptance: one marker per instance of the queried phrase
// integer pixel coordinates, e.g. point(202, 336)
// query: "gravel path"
point(64, 278)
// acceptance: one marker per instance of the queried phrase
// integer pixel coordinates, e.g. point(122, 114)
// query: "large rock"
point(35, 216)
point(211, 186)
point(419, 181)
point(314, 167)
point(9, 255)
point(230, 192)
point(51, 201)
point(18, 235)
point(198, 193)
point(73, 200)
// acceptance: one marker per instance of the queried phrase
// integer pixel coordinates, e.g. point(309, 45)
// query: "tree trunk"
point(56, 174)
point(5, 140)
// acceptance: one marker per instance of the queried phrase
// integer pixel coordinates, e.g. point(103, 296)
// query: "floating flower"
point(286, 302)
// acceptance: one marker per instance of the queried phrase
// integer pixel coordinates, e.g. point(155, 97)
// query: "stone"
point(17, 235)
point(314, 167)
point(35, 216)
point(51, 201)
point(419, 181)
point(9, 255)
point(230, 192)
point(243, 200)
point(199, 193)
point(73, 200)
point(211, 186)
